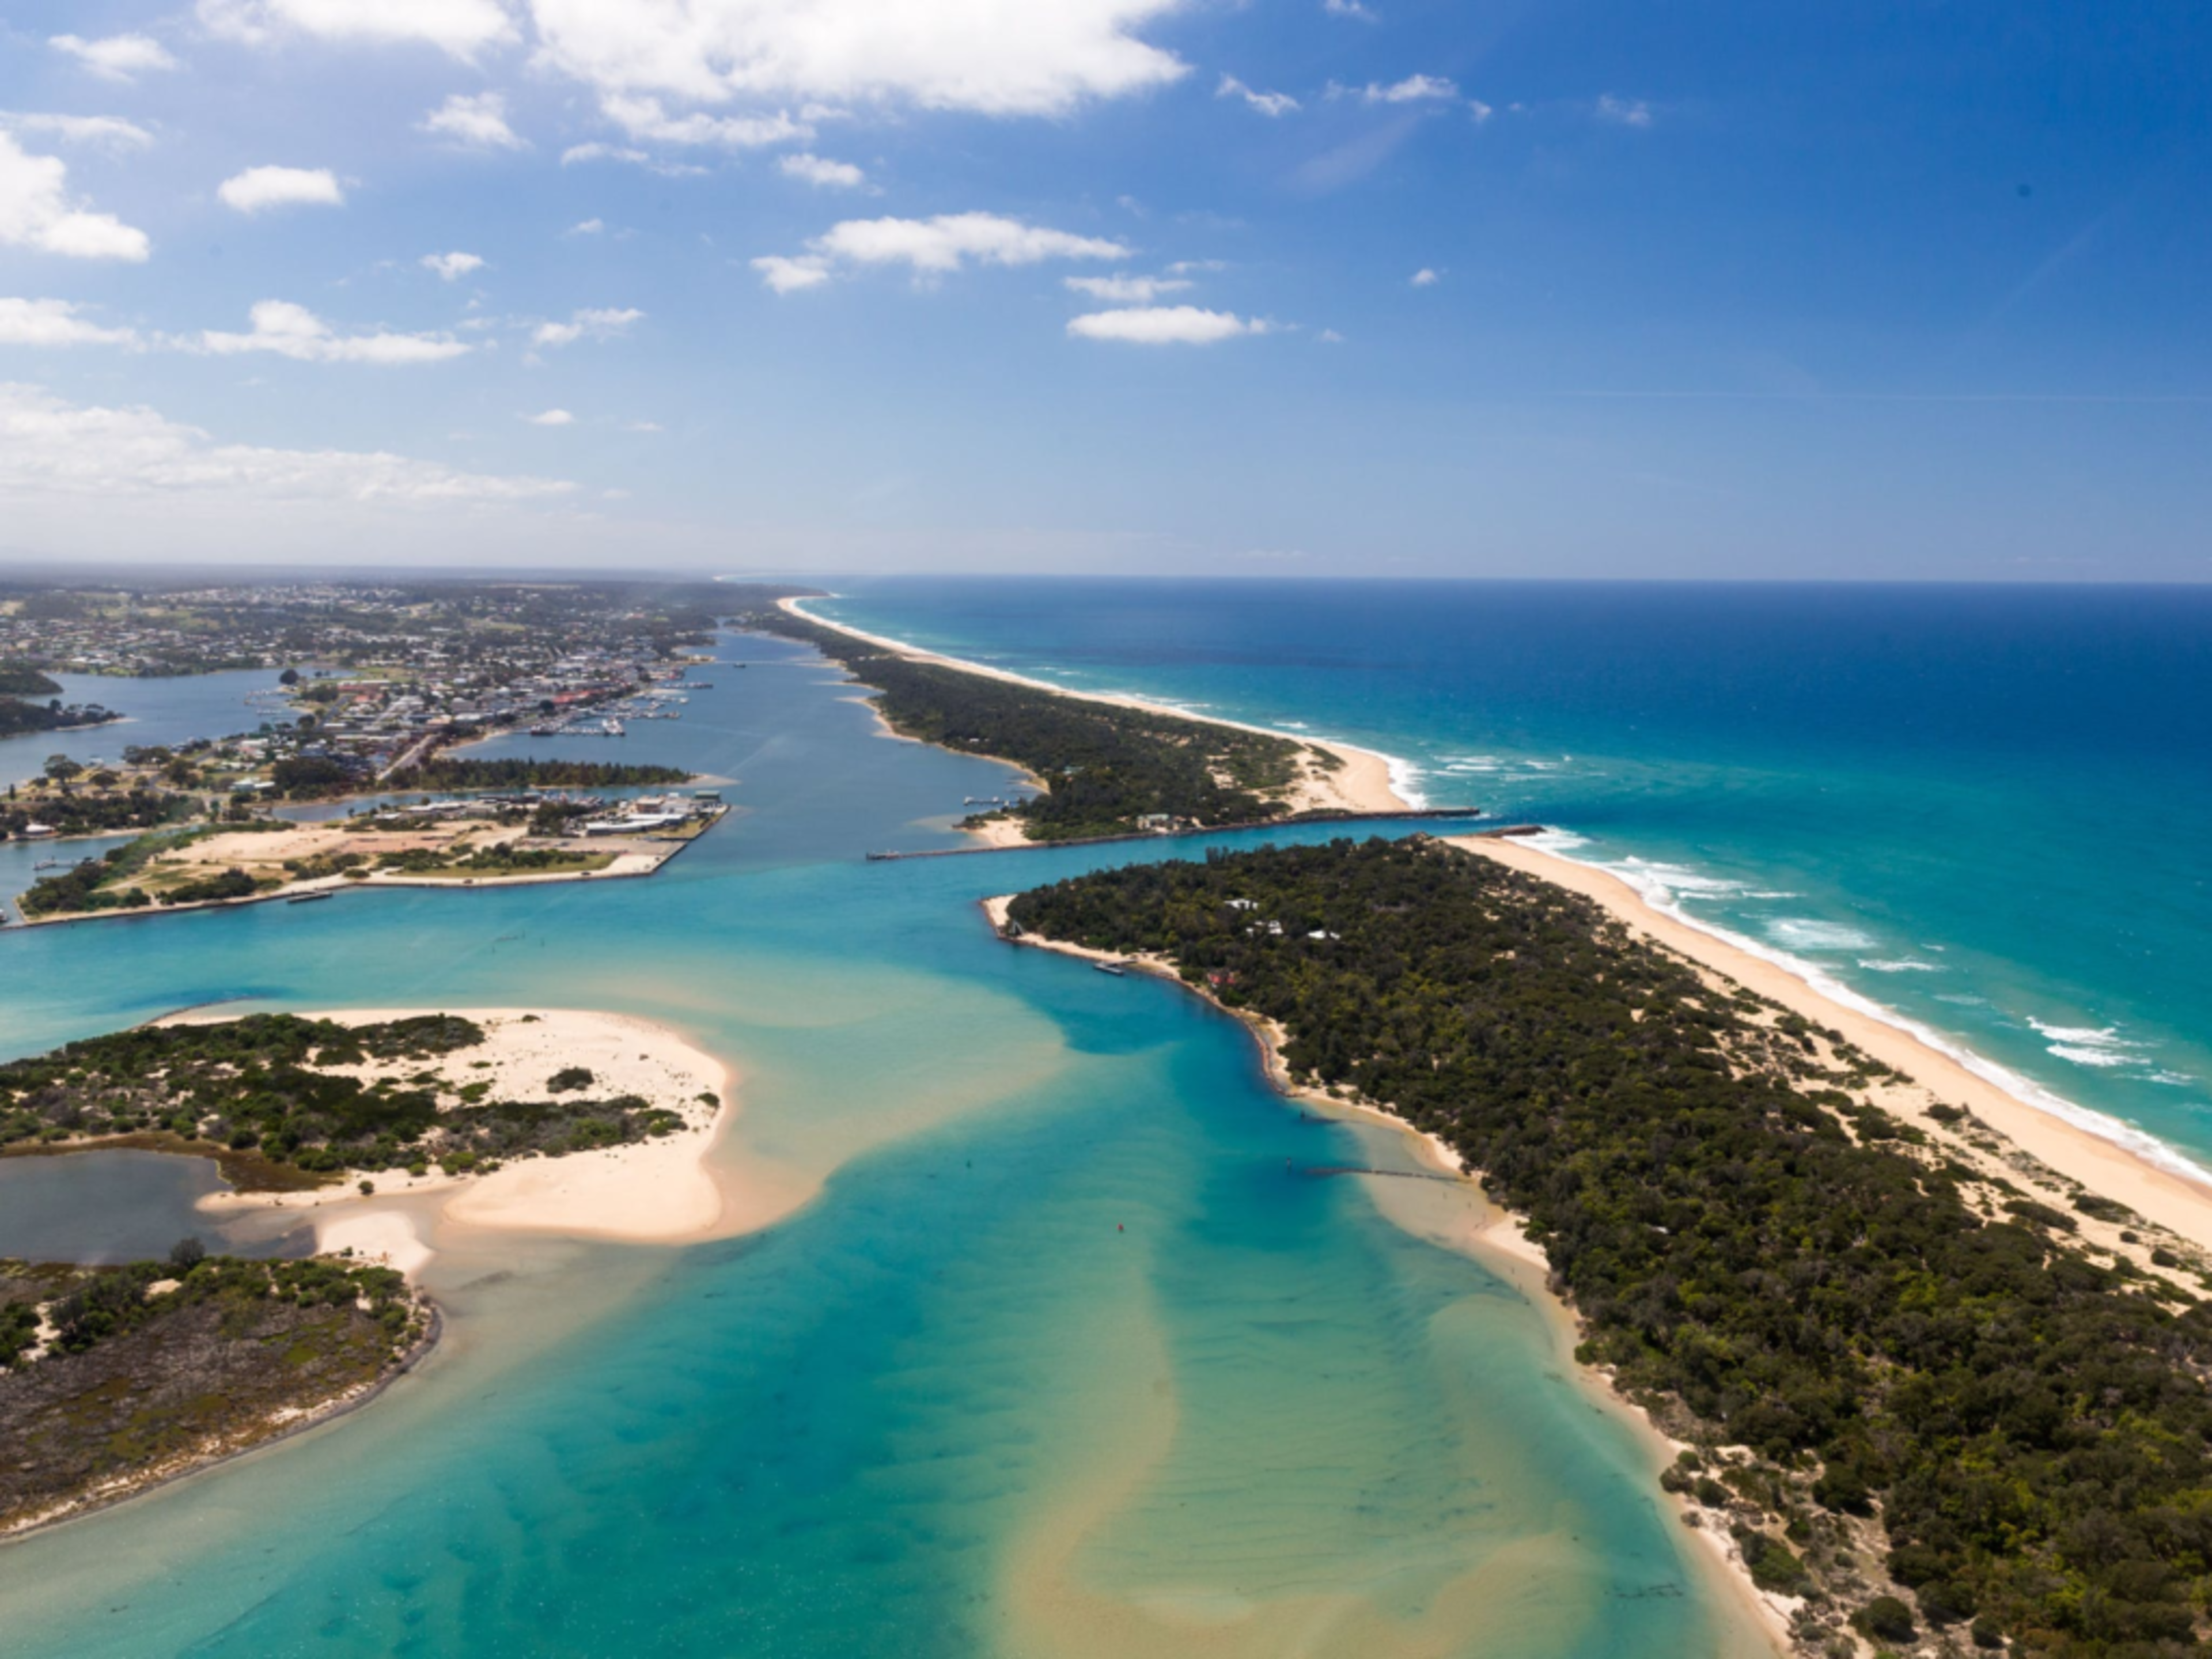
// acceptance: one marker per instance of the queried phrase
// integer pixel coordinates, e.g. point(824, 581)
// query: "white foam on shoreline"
point(2022, 1089)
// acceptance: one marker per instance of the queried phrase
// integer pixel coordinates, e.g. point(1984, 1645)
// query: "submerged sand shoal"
point(1360, 783)
point(1475, 1226)
point(669, 1189)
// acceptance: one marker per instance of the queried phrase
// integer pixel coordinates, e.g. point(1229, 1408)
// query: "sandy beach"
point(2075, 1155)
point(666, 1190)
point(1360, 782)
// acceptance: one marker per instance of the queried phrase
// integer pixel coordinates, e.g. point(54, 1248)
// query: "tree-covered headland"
point(1105, 768)
point(1921, 1397)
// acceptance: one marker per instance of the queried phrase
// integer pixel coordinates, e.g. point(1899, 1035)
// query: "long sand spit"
point(1362, 781)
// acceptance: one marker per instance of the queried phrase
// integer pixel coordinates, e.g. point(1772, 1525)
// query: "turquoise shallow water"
point(1981, 808)
point(1068, 1357)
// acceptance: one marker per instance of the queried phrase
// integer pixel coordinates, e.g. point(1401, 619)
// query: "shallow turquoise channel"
point(1070, 1354)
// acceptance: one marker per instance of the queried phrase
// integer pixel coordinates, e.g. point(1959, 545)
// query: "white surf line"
point(2024, 1090)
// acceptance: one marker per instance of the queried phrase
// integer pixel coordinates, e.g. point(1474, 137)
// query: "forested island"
point(112, 1379)
point(1918, 1394)
point(288, 1103)
point(1106, 769)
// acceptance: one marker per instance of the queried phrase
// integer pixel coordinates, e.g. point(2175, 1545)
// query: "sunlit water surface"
point(1069, 1356)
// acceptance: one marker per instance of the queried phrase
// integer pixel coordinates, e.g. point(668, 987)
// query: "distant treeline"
point(1104, 766)
point(17, 681)
point(443, 773)
point(2023, 1428)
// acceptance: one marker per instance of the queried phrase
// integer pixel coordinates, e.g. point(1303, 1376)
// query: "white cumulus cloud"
point(997, 57)
point(460, 28)
point(38, 212)
point(292, 330)
point(116, 56)
point(931, 247)
point(1350, 8)
point(106, 132)
point(1126, 290)
point(1270, 104)
point(603, 324)
point(1164, 325)
point(55, 323)
point(258, 189)
point(479, 120)
point(1425, 277)
point(823, 172)
point(586, 228)
point(451, 267)
point(50, 448)
point(1623, 111)
point(785, 275)
point(552, 417)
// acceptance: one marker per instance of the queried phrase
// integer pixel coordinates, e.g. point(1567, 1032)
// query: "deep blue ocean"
point(1983, 808)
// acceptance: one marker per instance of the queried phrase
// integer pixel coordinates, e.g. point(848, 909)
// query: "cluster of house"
point(649, 813)
point(1272, 929)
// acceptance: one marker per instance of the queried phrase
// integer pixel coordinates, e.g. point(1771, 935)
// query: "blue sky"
point(1281, 288)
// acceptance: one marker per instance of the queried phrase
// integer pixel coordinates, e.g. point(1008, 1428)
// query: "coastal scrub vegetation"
point(280, 1087)
point(102, 883)
point(1907, 1386)
point(1104, 768)
point(111, 1376)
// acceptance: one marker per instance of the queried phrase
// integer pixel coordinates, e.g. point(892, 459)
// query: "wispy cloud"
point(647, 121)
point(1270, 104)
point(56, 323)
point(116, 56)
point(292, 330)
point(49, 447)
point(1413, 89)
point(1425, 277)
point(103, 131)
point(930, 247)
point(1126, 290)
point(461, 29)
point(1166, 326)
point(601, 323)
point(475, 121)
point(1622, 112)
point(451, 267)
point(552, 417)
point(823, 173)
